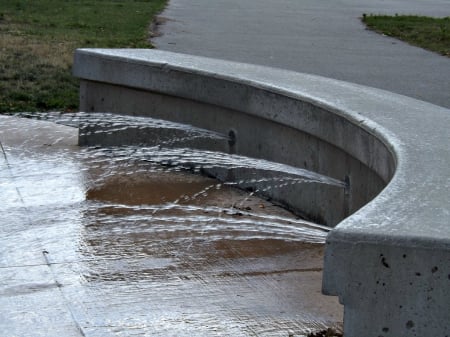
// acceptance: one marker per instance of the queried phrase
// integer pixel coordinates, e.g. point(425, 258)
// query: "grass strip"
point(425, 32)
point(38, 38)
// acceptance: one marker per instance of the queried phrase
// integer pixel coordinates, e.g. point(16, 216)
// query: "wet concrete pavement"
point(324, 38)
point(93, 245)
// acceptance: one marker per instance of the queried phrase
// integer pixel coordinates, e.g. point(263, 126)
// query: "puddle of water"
point(135, 244)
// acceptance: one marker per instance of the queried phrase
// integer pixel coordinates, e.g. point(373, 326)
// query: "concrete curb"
point(389, 260)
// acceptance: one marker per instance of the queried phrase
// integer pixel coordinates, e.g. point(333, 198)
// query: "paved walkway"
point(312, 36)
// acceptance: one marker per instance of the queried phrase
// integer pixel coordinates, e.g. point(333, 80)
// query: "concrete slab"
point(324, 38)
point(85, 250)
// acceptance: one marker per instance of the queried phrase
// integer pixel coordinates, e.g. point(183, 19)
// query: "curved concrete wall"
point(388, 257)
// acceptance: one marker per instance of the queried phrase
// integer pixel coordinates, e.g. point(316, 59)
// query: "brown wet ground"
point(91, 246)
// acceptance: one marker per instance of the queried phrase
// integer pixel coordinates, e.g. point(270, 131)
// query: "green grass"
point(38, 38)
point(425, 32)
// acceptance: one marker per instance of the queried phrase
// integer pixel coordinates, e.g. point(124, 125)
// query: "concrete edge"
point(259, 78)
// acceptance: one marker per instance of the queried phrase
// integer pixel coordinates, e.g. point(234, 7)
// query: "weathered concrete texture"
point(325, 38)
point(89, 246)
point(389, 261)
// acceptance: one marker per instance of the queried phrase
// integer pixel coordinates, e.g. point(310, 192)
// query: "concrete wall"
point(389, 262)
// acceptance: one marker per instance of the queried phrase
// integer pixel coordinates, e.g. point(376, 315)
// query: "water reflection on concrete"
point(91, 246)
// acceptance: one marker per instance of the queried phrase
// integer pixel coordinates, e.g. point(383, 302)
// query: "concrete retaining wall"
point(388, 257)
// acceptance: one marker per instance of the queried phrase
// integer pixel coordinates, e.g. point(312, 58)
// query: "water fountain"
point(388, 252)
point(139, 237)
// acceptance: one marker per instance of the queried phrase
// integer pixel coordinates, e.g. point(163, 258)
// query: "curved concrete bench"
point(388, 256)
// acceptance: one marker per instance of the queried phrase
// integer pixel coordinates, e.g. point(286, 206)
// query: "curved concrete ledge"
point(388, 257)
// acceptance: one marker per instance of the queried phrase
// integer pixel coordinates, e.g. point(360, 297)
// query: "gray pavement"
point(319, 37)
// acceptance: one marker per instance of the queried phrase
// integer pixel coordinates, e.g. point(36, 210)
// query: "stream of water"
point(140, 243)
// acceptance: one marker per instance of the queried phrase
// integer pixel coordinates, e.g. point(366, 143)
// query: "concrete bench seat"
point(388, 255)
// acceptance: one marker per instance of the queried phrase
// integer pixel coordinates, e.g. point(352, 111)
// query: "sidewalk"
point(324, 38)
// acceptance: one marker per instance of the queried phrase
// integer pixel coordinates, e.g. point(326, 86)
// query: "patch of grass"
point(38, 38)
point(425, 32)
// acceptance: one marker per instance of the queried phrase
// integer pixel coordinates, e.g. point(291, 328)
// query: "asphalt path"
point(321, 37)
